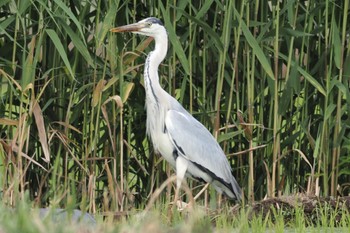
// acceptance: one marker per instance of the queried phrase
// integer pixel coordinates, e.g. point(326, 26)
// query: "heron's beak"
point(129, 28)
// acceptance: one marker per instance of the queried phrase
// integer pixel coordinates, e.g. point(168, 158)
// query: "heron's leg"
point(181, 167)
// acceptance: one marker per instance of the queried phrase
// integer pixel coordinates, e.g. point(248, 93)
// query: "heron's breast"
point(157, 132)
point(165, 147)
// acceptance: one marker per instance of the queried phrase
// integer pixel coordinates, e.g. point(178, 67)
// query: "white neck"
point(153, 60)
point(154, 93)
point(161, 47)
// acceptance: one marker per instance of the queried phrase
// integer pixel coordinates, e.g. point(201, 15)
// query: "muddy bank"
point(312, 207)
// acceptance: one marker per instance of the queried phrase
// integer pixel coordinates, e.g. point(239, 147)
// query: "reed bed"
point(270, 79)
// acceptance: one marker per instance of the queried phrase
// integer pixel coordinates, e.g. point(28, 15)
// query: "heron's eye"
point(149, 24)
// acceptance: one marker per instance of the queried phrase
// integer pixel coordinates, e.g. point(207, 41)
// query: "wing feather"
point(196, 143)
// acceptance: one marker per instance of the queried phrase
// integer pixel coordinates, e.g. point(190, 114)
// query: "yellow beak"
point(129, 28)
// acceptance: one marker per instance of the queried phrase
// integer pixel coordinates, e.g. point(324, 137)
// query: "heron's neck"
point(154, 58)
point(160, 50)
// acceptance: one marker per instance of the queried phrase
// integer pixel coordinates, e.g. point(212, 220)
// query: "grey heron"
point(181, 139)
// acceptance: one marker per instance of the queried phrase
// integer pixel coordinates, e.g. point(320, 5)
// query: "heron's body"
point(182, 140)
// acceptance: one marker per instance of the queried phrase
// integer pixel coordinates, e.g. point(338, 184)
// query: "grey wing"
point(196, 144)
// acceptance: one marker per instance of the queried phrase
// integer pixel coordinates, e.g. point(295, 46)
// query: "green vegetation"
point(270, 79)
point(25, 219)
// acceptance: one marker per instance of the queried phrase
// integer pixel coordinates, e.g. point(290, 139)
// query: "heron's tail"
point(236, 190)
point(231, 188)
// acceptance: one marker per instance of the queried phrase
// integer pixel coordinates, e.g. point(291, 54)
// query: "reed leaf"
point(61, 50)
point(268, 78)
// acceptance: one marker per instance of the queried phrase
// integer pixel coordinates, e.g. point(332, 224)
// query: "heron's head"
point(149, 27)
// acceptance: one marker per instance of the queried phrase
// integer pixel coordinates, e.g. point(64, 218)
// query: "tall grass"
point(269, 79)
point(17, 220)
